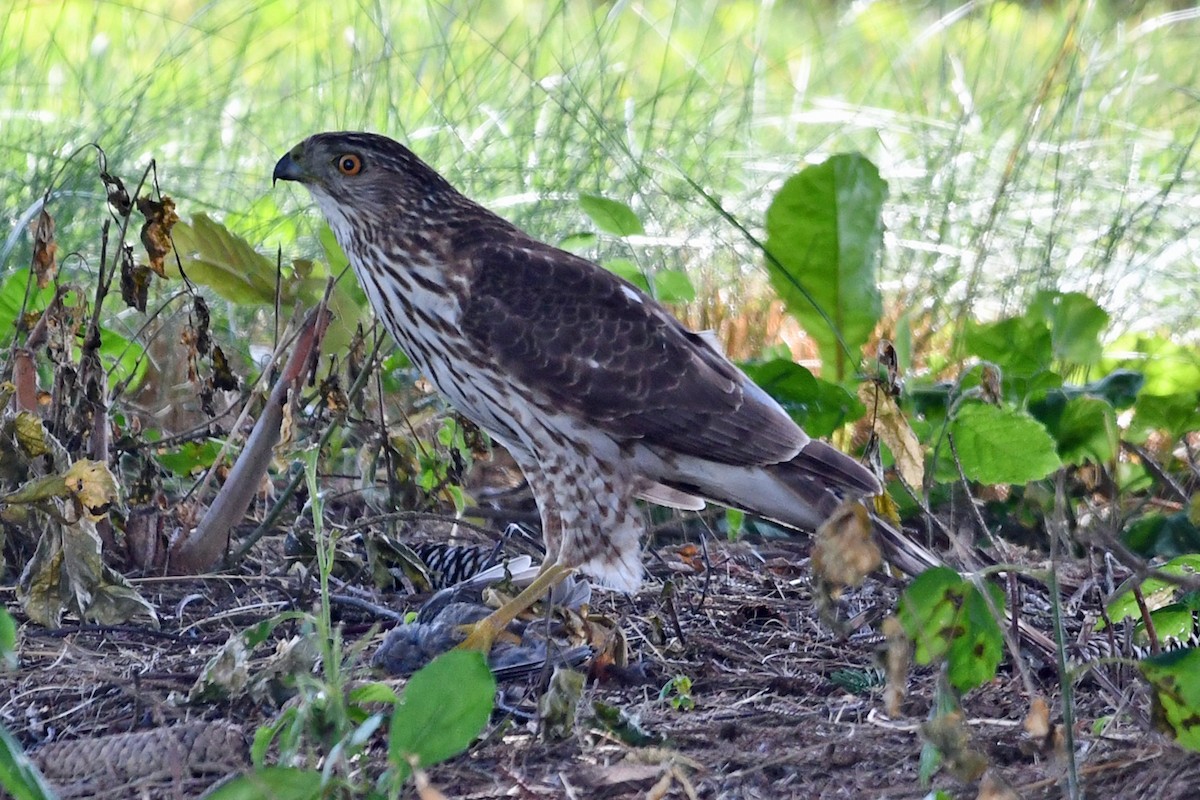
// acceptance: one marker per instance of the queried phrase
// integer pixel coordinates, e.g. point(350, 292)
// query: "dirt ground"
point(783, 708)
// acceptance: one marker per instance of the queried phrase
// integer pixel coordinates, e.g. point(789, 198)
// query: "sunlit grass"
point(1025, 148)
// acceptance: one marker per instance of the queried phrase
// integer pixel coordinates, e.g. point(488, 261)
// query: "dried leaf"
point(948, 733)
point(201, 319)
point(31, 434)
point(94, 486)
point(156, 233)
point(135, 281)
point(1040, 736)
point(896, 433)
point(226, 674)
point(558, 706)
point(222, 376)
point(45, 265)
point(845, 551)
point(993, 787)
point(118, 197)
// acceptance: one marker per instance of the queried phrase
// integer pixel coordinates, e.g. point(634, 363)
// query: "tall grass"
point(1026, 147)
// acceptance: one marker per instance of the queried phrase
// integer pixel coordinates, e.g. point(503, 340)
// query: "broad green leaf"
point(1174, 623)
point(1174, 414)
point(820, 407)
point(271, 783)
point(18, 775)
point(1085, 427)
point(124, 358)
point(373, 692)
point(1156, 592)
point(1020, 346)
point(12, 295)
point(624, 268)
point(8, 641)
point(445, 705)
point(1167, 535)
point(611, 216)
point(1120, 387)
point(1076, 323)
point(1169, 367)
point(824, 233)
point(948, 619)
point(190, 457)
point(1176, 706)
point(997, 445)
point(673, 286)
point(578, 242)
point(213, 256)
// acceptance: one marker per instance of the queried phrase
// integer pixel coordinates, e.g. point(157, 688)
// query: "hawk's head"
point(361, 175)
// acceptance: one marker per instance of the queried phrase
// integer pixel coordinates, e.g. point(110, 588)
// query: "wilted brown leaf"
point(992, 786)
point(94, 486)
point(949, 734)
point(226, 674)
point(557, 707)
point(1040, 737)
point(222, 375)
point(118, 197)
point(896, 433)
point(31, 434)
point(135, 281)
point(156, 232)
point(845, 551)
point(45, 265)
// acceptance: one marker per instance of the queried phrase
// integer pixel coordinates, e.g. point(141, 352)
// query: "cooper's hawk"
point(598, 392)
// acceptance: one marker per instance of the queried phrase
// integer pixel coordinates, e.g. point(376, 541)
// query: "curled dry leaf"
point(896, 433)
point(993, 787)
point(949, 734)
point(1041, 737)
point(558, 706)
point(45, 265)
point(156, 232)
point(94, 485)
point(135, 281)
point(845, 551)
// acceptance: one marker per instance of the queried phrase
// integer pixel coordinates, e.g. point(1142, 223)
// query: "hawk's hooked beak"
point(288, 169)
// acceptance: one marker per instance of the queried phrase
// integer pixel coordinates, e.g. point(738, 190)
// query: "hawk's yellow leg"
point(483, 633)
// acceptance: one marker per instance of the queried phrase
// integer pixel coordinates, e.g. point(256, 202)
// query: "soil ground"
point(783, 707)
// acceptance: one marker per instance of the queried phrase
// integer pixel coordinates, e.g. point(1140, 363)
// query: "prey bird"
point(600, 395)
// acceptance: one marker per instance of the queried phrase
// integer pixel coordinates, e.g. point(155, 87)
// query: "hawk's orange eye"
point(349, 164)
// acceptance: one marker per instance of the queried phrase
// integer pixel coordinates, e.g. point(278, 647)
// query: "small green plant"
point(679, 691)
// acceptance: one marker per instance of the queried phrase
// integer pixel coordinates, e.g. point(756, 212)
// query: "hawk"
point(598, 392)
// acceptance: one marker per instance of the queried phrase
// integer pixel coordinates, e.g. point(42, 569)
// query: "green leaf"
point(12, 295)
point(271, 783)
point(18, 775)
point(1075, 322)
point(124, 358)
point(8, 641)
point(213, 256)
point(624, 268)
point(1174, 414)
point(1155, 592)
point(1120, 387)
point(824, 233)
point(997, 445)
point(947, 618)
point(1162, 535)
point(1176, 706)
point(1085, 427)
point(820, 407)
point(445, 705)
point(578, 243)
point(611, 216)
point(1169, 368)
point(373, 692)
point(1020, 346)
point(673, 286)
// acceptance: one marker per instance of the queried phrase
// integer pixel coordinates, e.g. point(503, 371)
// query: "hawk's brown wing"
point(596, 347)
